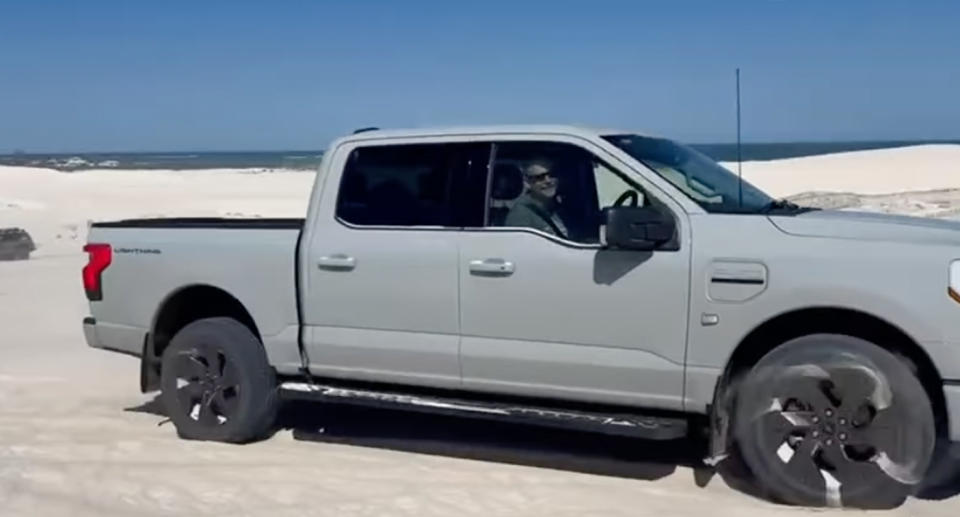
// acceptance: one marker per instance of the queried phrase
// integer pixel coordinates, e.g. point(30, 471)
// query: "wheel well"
point(848, 322)
point(179, 310)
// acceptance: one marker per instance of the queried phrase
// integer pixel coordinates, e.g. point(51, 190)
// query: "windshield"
point(713, 187)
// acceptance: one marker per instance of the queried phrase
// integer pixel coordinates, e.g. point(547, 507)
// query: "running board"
point(638, 426)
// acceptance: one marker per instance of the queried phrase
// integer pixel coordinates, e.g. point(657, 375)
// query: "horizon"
point(304, 159)
point(898, 142)
point(244, 76)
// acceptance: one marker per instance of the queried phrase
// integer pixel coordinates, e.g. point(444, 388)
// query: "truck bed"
point(153, 261)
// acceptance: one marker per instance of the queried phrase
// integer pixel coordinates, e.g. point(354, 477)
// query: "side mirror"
point(637, 228)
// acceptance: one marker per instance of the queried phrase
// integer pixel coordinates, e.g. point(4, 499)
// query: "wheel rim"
point(208, 387)
point(833, 433)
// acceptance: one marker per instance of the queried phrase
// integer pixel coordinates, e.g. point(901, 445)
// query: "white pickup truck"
point(600, 279)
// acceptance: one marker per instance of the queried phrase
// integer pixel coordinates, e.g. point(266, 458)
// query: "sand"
point(55, 207)
point(921, 180)
point(77, 437)
point(882, 171)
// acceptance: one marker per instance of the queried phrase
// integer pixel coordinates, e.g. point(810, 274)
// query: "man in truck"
point(537, 207)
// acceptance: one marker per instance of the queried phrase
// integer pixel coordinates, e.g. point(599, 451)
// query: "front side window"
point(611, 186)
point(398, 185)
point(555, 188)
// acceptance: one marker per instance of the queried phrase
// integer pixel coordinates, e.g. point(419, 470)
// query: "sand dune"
point(77, 438)
point(882, 171)
point(55, 207)
point(921, 180)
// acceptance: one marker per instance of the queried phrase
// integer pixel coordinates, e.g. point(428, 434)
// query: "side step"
point(638, 426)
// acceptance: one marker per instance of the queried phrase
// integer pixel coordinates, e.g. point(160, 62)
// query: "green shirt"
point(528, 212)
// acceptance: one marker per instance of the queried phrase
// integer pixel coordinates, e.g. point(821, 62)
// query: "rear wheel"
point(216, 383)
point(831, 420)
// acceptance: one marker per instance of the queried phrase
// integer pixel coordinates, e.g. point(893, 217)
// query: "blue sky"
point(170, 75)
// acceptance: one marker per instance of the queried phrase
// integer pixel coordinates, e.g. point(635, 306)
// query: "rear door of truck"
point(380, 294)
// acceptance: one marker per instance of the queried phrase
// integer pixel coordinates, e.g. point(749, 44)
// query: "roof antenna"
point(739, 170)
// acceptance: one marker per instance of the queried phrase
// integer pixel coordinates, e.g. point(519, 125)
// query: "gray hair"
point(542, 163)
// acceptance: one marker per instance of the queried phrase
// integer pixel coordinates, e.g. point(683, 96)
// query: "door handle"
point(491, 266)
point(338, 261)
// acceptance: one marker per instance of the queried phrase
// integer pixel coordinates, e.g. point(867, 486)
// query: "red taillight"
point(99, 258)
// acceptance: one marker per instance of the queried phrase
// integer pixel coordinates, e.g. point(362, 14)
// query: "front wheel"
point(216, 383)
point(832, 420)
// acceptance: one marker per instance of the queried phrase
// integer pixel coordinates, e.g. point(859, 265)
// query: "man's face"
point(540, 181)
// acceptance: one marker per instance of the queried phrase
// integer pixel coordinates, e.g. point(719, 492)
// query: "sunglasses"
point(536, 178)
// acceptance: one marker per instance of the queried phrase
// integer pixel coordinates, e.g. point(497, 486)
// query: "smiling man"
point(537, 207)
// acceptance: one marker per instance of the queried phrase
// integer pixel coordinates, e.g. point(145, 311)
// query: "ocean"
point(309, 160)
point(295, 160)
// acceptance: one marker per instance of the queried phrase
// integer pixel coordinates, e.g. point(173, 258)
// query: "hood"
point(870, 226)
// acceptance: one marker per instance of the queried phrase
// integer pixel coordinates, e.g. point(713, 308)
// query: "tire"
point(216, 383)
point(833, 420)
point(943, 477)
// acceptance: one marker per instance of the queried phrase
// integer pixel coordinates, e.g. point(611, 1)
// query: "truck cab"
point(468, 298)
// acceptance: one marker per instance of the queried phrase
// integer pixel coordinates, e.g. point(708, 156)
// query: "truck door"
point(545, 310)
point(381, 293)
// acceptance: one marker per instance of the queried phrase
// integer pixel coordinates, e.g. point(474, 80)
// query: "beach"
point(921, 180)
point(78, 438)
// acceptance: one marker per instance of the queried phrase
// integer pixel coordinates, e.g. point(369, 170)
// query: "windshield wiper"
point(784, 206)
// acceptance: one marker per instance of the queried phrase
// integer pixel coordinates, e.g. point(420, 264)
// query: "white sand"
point(69, 446)
point(881, 171)
point(56, 206)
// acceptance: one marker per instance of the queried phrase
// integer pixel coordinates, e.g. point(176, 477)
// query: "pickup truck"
point(604, 280)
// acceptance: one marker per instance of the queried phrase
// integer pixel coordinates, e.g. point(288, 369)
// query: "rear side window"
point(398, 185)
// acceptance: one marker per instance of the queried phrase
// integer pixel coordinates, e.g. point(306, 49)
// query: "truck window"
point(397, 185)
point(611, 185)
point(559, 189)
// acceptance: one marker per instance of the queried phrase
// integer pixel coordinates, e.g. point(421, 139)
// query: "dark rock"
point(15, 244)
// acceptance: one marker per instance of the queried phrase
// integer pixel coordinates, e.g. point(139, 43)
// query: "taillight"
point(99, 258)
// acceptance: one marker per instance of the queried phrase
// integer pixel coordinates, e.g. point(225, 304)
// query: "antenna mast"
point(739, 170)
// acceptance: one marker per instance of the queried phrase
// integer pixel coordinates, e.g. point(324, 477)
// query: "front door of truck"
point(545, 310)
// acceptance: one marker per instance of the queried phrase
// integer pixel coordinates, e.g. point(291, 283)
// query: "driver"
point(537, 207)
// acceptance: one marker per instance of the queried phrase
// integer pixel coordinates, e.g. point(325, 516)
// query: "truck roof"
point(585, 131)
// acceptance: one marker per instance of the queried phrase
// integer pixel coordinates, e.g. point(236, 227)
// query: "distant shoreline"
point(310, 160)
point(176, 161)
